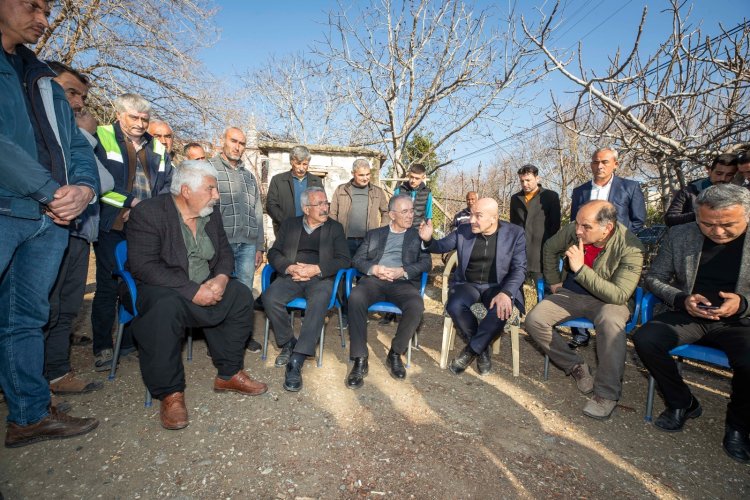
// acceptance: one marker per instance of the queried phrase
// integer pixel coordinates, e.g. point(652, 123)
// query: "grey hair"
point(304, 198)
point(607, 214)
point(392, 201)
point(191, 173)
point(299, 154)
point(226, 130)
point(720, 196)
point(606, 148)
point(132, 102)
point(360, 163)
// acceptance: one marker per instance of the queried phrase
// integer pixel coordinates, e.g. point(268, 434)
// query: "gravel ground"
point(434, 435)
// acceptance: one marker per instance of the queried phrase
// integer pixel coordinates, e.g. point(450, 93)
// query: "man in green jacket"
point(603, 262)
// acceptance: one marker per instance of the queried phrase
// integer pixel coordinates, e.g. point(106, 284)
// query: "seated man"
point(393, 260)
point(595, 288)
point(702, 271)
point(308, 252)
point(491, 269)
point(181, 259)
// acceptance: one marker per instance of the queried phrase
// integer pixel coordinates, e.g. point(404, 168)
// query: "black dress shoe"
point(736, 445)
point(484, 362)
point(293, 377)
point(356, 378)
point(463, 361)
point(581, 337)
point(673, 419)
point(286, 353)
point(395, 365)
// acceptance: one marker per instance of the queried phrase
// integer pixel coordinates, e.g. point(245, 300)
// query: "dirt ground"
point(434, 435)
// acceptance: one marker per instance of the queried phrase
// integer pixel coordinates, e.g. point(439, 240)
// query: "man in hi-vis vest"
point(141, 168)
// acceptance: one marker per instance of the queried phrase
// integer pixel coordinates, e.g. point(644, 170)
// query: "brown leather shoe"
point(173, 412)
point(56, 425)
point(241, 383)
point(70, 384)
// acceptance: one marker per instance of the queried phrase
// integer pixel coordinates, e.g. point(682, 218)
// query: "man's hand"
point(554, 288)
point(218, 284)
point(425, 231)
point(126, 215)
point(730, 306)
point(205, 296)
point(503, 304)
point(691, 306)
point(575, 256)
point(303, 272)
point(70, 201)
point(258, 259)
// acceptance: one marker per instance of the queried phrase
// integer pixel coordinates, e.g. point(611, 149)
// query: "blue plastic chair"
point(585, 323)
point(386, 307)
point(693, 352)
point(300, 303)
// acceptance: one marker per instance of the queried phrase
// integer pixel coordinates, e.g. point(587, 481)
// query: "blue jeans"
point(244, 263)
point(30, 256)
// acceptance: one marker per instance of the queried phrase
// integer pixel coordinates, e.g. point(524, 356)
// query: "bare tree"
point(674, 109)
point(142, 46)
point(424, 65)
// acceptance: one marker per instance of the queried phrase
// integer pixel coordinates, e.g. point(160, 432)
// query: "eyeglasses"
point(321, 204)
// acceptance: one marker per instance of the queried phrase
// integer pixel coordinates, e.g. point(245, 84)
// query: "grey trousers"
point(609, 321)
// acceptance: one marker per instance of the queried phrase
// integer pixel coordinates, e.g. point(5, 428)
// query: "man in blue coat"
point(47, 179)
point(624, 194)
point(491, 269)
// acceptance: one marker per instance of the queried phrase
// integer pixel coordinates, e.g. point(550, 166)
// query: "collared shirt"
point(299, 186)
point(141, 185)
point(200, 250)
point(601, 192)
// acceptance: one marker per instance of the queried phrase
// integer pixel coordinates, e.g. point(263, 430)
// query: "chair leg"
point(515, 350)
point(320, 349)
point(448, 337)
point(408, 352)
point(416, 341)
point(546, 367)
point(264, 354)
point(148, 402)
point(650, 399)
point(341, 328)
point(190, 344)
point(496, 346)
point(116, 354)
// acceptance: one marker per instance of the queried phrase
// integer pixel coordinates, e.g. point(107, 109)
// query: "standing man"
point(702, 271)
point(308, 252)
point(743, 167)
point(537, 211)
point(415, 186)
point(141, 169)
point(285, 190)
point(491, 269)
point(392, 259)
point(194, 151)
point(47, 179)
point(162, 132)
point(464, 215)
point(624, 194)
point(359, 205)
point(682, 208)
point(603, 261)
point(241, 209)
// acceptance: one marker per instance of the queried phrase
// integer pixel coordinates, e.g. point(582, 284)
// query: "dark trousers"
point(655, 339)
point(64, 303)
point(316, 291)
point(160, 327)
point(370, 290)
point(479, 333)
point(105, 296)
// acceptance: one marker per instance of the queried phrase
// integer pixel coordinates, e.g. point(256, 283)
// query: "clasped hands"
point(387, 273)
point(68, 203)
point(302, 272)
point(211, 291)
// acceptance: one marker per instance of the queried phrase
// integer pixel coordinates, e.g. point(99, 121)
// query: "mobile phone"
point(701, 305)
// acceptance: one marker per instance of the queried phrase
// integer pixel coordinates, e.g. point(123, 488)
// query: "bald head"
point(595, 222)
point(484, 216)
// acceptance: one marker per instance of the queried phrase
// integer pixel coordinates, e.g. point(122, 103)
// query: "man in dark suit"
point(624, 194)
point(537, 211)
point(307, 253)
point(491, 269)
point(393, 260)
point(285, 190)
point(180, 257)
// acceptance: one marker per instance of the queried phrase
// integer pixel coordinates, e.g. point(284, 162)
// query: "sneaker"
point(582, 375)
point(56, 425)
point(70, 384)
point(254, 346)
point(599, 408)
point(103, 360)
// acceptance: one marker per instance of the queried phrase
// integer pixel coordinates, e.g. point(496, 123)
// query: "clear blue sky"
point(251, 31)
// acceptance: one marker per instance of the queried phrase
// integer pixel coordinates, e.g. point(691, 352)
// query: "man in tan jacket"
point(359, 205)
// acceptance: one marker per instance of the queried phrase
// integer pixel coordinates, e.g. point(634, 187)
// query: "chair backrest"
point(449, 266)
point(121, 259)
point(121, 255)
